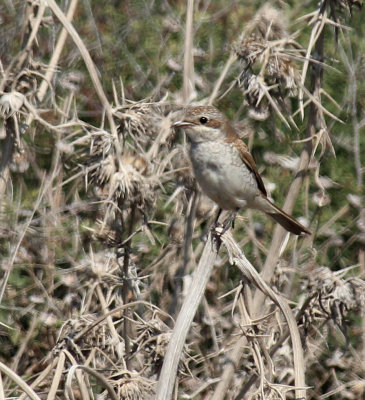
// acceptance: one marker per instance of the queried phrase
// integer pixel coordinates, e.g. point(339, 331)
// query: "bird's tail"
point(281, 217)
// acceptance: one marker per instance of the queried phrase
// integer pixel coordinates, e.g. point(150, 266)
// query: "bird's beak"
point(182, 124)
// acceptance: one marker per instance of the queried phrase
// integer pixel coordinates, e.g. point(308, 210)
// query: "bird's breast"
point(222, 174)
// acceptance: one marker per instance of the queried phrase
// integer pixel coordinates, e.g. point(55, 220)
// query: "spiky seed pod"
point(290, 77)
point(263, 47)
point(96, 337)
point(106, 170)
point(255, 97)
point(10, 103)
point(252, 89)
point(132, 386)
point(248, 49)
point(282, 71)
point(129, 390)
point(128, 186)
point(137, 123)
point(101, 161)
point(333, 296)
point(270, 23)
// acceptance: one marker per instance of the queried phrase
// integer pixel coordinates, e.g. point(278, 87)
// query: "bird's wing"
point(245, 155)
point(247, 158)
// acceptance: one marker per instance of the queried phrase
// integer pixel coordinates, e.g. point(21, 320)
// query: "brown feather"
point(245, 155)
point(286, 220)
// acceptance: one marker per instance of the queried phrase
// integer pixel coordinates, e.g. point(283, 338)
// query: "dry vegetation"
point(112, 284)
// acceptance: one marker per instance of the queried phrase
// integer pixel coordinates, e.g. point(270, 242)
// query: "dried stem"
point(188, 85)
point(201, 277)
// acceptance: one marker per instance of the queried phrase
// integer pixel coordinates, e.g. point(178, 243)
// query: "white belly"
point(222, 175)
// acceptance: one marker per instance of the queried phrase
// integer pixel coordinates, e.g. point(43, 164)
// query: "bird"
point(225, 169)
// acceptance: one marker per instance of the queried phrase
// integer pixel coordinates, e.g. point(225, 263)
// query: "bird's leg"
point(217, 217)
point(211, 228)
point(230, 221)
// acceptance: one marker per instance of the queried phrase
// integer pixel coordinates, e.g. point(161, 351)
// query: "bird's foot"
point(217, 229)
point(214, 229)
point(229, 221)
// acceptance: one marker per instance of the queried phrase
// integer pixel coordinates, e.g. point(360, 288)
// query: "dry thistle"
point(269, 22)
point(128, 188)
point(126, 182)
point(269, 73)
point(101, 161)
point(11, 103)
point(333, 297)
point(136, 123)
point(132, 386)
point(82, 346)
point(10, 106)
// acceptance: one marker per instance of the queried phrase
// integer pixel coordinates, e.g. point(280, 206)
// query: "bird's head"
point(203, 124)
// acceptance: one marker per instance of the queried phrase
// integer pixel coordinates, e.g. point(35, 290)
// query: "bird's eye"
point(203, 120)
